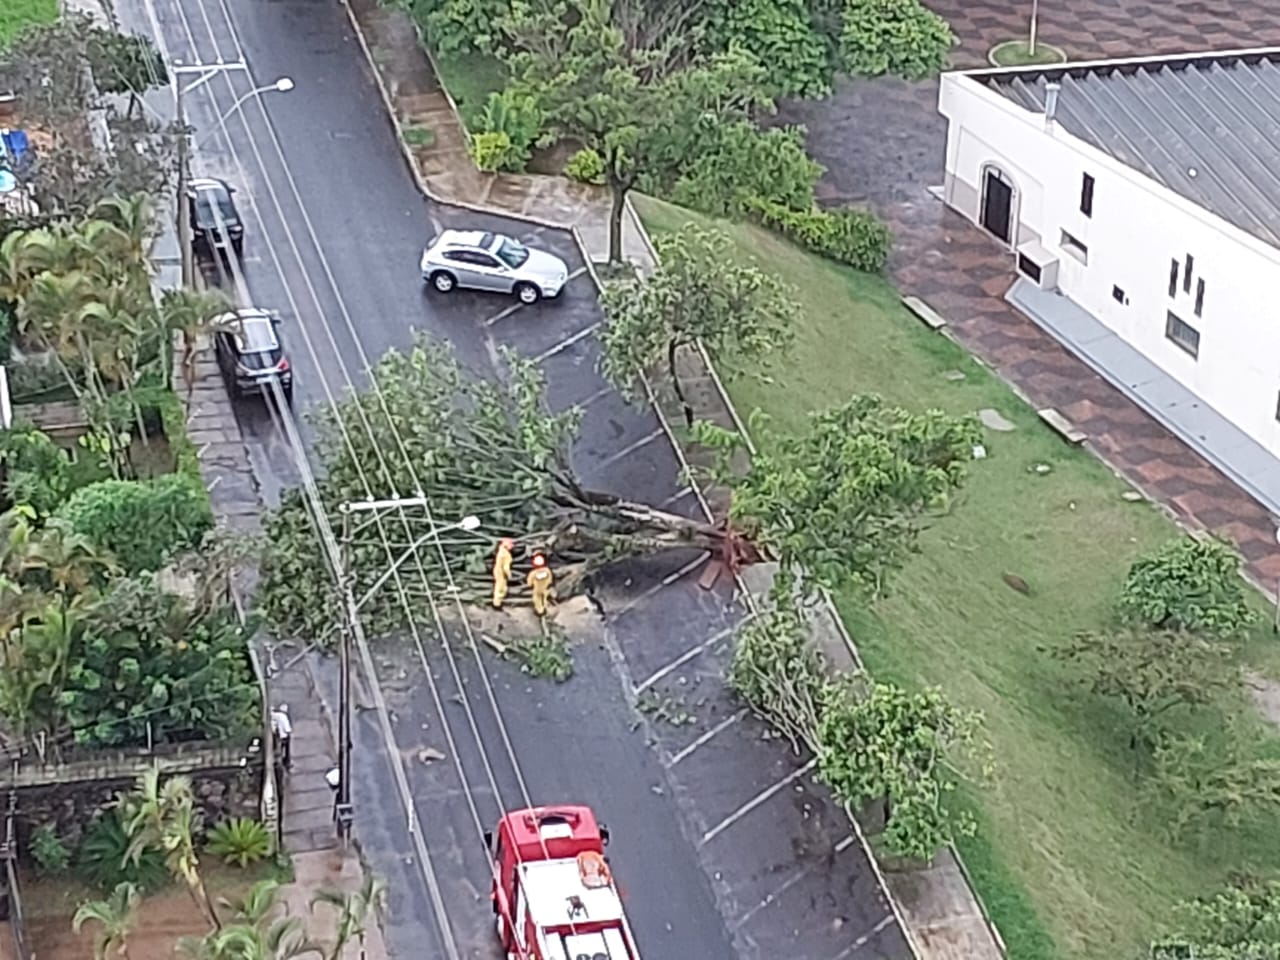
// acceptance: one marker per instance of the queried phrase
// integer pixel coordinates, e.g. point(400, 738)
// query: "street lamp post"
point(343, 811)
point(203, 73)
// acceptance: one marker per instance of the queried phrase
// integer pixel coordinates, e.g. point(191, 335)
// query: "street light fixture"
point(203, 73)
point(343, 812)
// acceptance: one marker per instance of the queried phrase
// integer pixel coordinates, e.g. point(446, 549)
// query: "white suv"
point(477, 260)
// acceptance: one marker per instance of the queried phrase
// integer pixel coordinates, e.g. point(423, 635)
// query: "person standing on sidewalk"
point(282, 727)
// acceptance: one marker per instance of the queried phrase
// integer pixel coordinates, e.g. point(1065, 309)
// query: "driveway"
point(722, 844)
point(883, 145)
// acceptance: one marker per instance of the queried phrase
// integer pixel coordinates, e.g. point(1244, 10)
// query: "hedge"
point(855, 237)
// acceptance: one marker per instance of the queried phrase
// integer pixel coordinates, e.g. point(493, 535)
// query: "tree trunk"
point(672, 346)
point(618, 189)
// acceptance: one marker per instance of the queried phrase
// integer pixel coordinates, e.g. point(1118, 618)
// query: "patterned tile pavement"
point(883, 144)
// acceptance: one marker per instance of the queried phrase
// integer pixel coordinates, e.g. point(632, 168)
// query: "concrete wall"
point(1137, 228)
point(226, 781)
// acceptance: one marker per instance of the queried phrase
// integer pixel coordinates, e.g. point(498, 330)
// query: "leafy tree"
point(1241, 922)
point(151, 663)
point(782, 35)
point(877, 37)
point(1189, 584)
point(729, 167)
point(459, 25)
point(606, 77)
point(1151, 672)
point(163, 817)
point(115, 917)
point(355, 910)
point(879, 742)
point(125, 63)
point(699, 293)
point(843, 501)
point(777, 671)
point(1198, 781)
point(142, 523)
point(37, 472)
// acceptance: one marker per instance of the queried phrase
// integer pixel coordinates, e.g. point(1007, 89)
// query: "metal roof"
point(1207, 127)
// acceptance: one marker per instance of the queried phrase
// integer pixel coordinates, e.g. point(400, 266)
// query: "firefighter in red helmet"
point(540, 583)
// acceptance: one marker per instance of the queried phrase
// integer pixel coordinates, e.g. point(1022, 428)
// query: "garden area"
point(146, 880)
point(1104, 654)
point(17, 15)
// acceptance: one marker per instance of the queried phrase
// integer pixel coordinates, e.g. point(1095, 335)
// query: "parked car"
point(215, 221)
point(479, 260)
point(250, 354)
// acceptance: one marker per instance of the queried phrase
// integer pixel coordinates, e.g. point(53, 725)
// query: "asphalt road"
point(722, 844)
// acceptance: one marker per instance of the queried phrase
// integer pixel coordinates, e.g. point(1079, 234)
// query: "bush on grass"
point(854, 237)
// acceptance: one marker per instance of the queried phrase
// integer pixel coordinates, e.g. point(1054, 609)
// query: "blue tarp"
point(16, 145)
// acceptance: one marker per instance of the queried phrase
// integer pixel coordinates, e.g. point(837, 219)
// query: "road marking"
point(845, 844)
point(628, 449)
point(666, 581)
point(503, 314)
point(685, 657)
point(576, 274)
point(791, 882)
point(762, 797)
point(598, 395)
point(720, 727)
point(678, 495)
point(862, 940)
point(565, 344)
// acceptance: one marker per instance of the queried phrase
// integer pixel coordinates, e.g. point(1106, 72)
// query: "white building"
point(1140, 201)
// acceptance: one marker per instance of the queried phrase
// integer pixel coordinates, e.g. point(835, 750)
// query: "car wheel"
point(527, 293)
point(443, 282)
point(238, 247)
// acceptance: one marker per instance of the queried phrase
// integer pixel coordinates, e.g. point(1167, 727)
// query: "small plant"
point(545, 656)
point(1189, 584)
point(506, 131)
point(585, 166)
point(49, 852)
point(416, 136)
point(492, 151)
point(104, 862)
point(240, 841)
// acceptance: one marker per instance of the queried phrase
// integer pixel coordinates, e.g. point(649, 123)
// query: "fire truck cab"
point(553, 892)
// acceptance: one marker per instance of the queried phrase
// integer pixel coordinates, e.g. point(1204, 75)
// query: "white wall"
point(1137, 228)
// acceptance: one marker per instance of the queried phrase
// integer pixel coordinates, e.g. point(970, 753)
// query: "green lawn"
point(1066, 859)
point(17, 15)
point(470, 78)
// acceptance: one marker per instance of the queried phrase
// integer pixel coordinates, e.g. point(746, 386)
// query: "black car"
point(215, 221)
point(250, 354)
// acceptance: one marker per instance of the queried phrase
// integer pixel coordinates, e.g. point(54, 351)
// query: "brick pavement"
point(883, 144)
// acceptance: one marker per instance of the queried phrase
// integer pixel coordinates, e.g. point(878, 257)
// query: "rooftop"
point(551, 885)
point(1205, 126)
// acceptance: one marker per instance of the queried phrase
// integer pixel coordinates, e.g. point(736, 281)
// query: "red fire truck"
point(553, 892)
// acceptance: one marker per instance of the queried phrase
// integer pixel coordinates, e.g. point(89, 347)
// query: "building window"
point(1186, 274)
point(1182, 334)
point(1086, 196)
point(1173, 278)
point(1118, 295)
point(1074, 247)
point(1199, 296)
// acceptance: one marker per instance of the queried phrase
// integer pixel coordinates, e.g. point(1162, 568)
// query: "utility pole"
point(344, 812)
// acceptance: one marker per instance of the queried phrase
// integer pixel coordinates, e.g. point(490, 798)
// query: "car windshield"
point(511, 253)
point(207, 201)
point(256, 336)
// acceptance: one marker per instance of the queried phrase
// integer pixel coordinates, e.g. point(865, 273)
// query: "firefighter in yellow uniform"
point(502, 571)
point(540, 583)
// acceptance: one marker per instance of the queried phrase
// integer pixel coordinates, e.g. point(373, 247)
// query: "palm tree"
point(69, 560)
point(256, 906)
point(115, 916)
point(189, 312)
point(127, 224)
point(163, 816)
point(355, 909)
point(283, 939)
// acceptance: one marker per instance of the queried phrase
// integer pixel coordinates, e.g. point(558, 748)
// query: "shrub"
point(240, 841)
point(506, 131)
point(141, 522)
point(855, 237)
point(585, 166)
point(47, 849)
point(901, 37)
point(102, 858)
point(782, 36)
point(454, 25)
point(1188, 584)
point(37, 472)
point(735, 162)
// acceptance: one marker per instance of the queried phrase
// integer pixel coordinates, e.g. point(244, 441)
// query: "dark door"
point(997, 204)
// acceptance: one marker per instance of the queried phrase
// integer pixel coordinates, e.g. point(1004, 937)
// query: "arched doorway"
point(996, 210)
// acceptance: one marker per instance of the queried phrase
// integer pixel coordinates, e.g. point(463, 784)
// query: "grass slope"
point(1067, 860)
point(470, 77)
point(17, 15)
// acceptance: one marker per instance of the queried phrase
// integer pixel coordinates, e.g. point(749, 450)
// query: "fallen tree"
point(844, 499)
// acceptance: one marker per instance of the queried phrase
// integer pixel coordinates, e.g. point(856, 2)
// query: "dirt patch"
point(162, 919)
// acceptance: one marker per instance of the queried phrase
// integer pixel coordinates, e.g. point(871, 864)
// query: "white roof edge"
point(991, 71)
